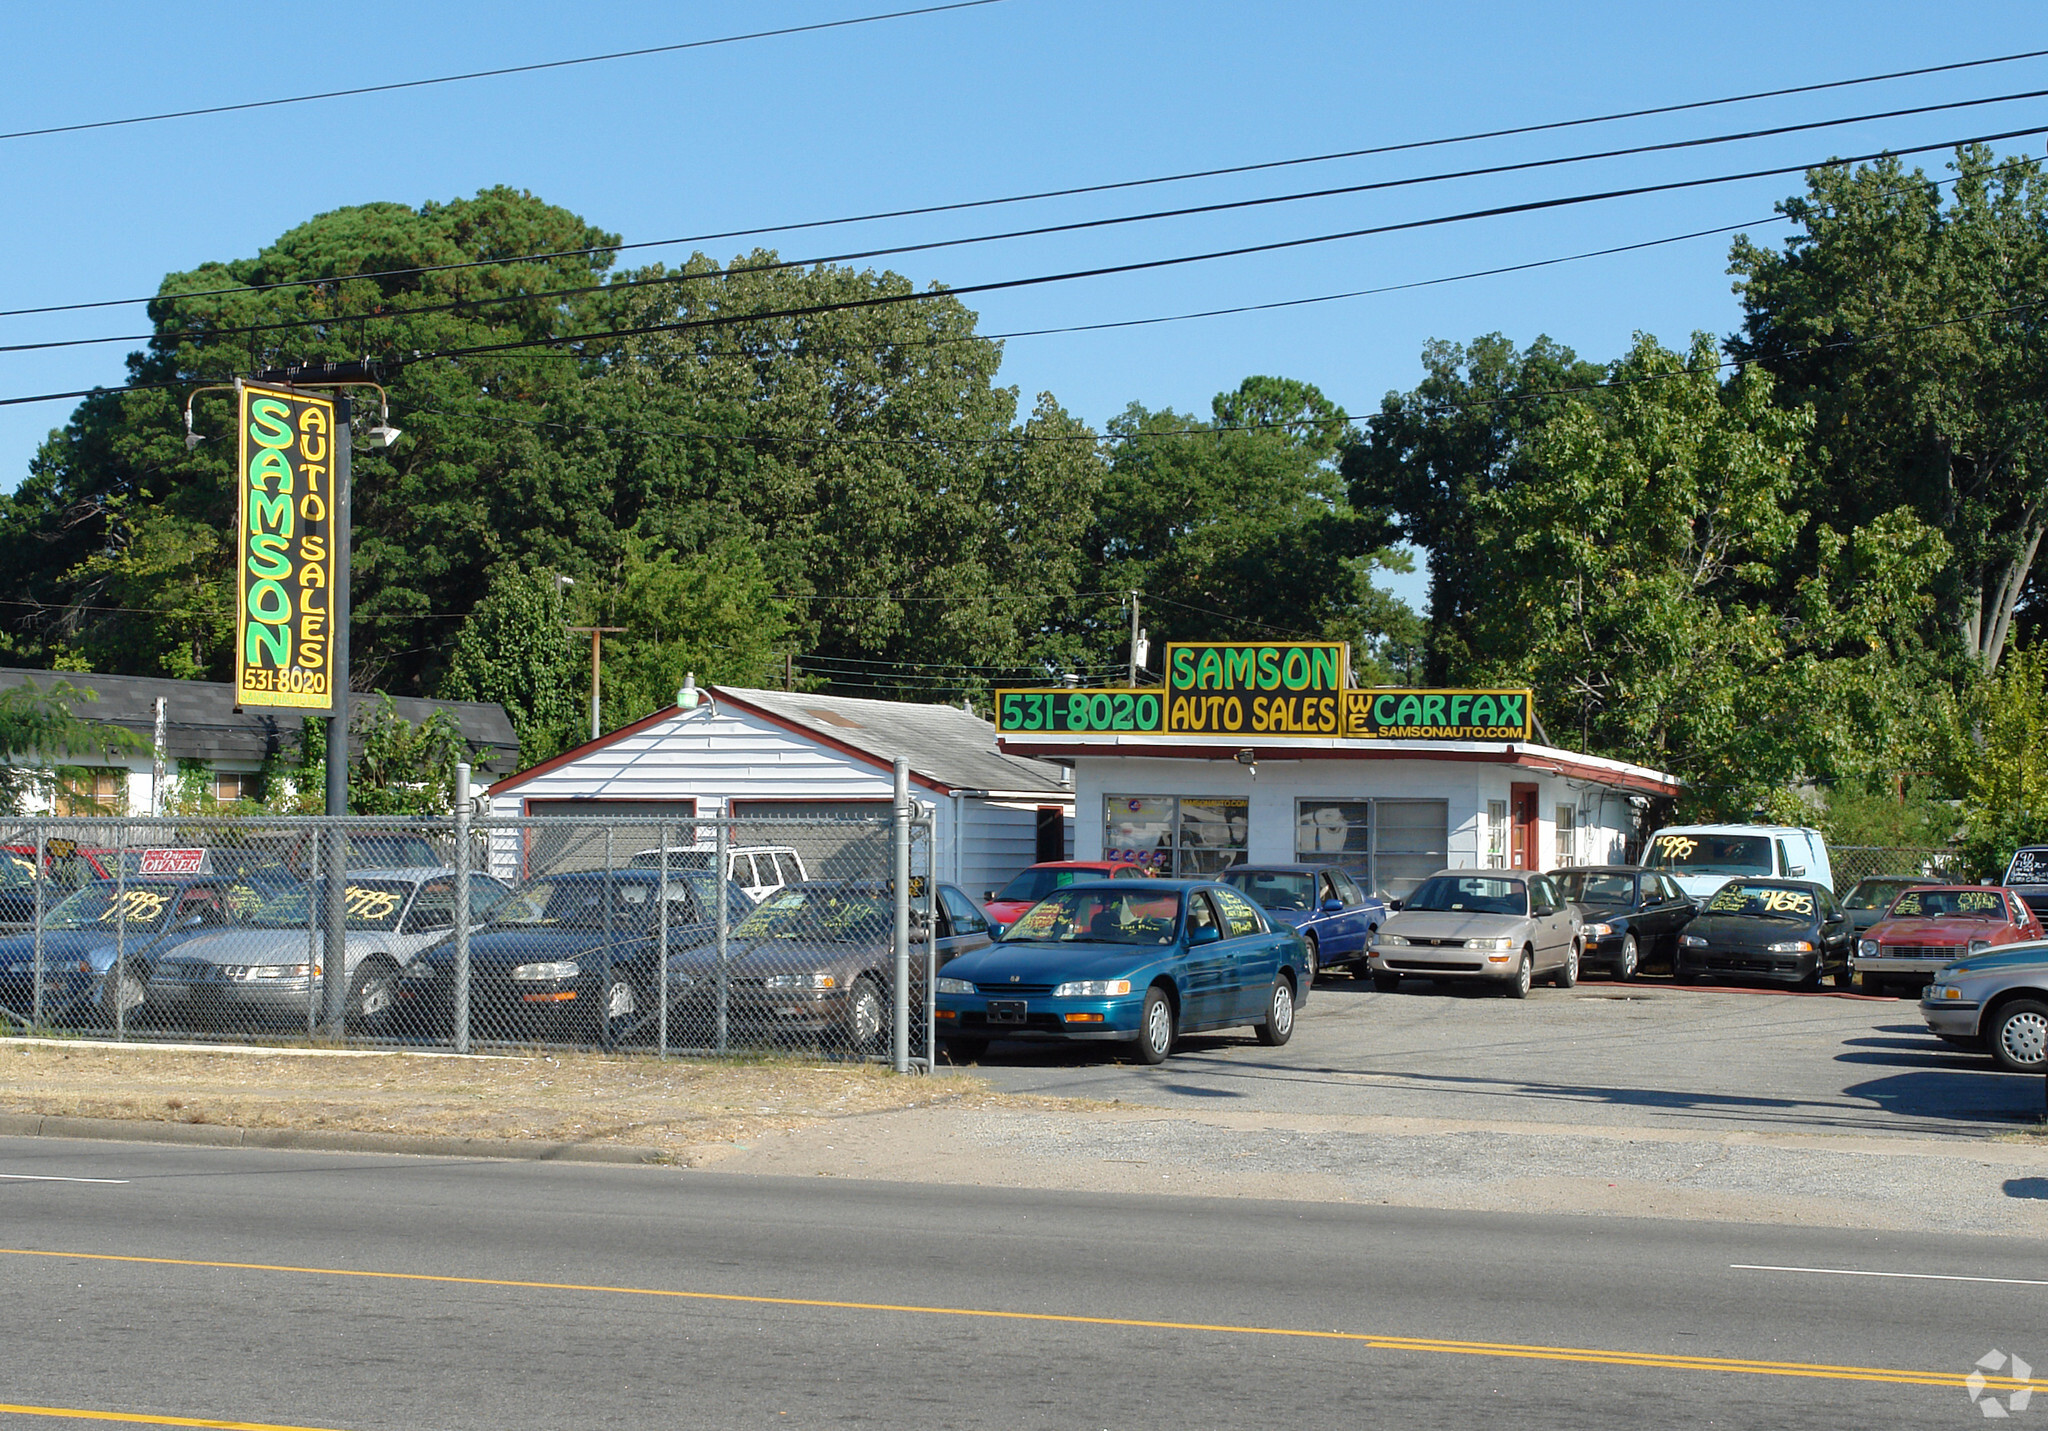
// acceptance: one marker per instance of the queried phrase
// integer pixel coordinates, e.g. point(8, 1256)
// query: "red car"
point(1039, 881)
point(1931, 925)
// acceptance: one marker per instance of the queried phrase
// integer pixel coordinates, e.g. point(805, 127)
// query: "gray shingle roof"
point(942, 743)
point(201, 722)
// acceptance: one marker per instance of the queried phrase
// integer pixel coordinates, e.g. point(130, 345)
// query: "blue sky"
point(1011, 97)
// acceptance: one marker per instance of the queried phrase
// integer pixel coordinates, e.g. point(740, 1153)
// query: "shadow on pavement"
point(2027, 1187)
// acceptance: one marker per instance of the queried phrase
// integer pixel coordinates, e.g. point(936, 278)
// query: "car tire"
point(1156, 1027)
point(125, 991)
point(1313, 965)
point(1631, 959)
point(617, 1004)
point(1568, 976)
point(1386, 983)
point(960, 1051)
point(1845, 977)
point(866, 1020)
point(2018, 1036)
point(1279, 1024)
point(1525, 976)
point(372, 993)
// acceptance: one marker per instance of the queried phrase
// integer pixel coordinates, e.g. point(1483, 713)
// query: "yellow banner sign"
point(284, 550)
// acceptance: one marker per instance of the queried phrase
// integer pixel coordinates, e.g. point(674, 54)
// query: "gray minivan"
point(1702, 858)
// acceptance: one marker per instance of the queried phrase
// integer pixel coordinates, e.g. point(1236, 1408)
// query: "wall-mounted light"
point(1249, 759)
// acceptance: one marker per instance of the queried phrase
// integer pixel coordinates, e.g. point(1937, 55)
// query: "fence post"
point(721, 842)
point(461, 1000)
point(117, 971)
point(931, 954)
point(604, 983)
point(899, 819)
point(42, 857)
point(661, 940)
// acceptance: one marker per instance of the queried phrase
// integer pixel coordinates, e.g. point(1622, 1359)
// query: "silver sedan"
point(1995, 1003)
point(1506, 927)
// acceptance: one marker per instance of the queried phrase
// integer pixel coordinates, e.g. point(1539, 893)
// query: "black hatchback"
point(1784, 930)
point(1632, 917)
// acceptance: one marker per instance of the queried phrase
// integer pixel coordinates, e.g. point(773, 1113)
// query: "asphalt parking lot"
point(1645, 1054)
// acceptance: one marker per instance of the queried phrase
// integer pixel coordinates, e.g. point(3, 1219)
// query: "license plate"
point(1006, 1011)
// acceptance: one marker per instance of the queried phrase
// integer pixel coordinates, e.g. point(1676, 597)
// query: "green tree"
point(714, 614)
point(1996, 759)
point(396, 766)
point(1913, 331)
point(42, 737)
point(514, 649)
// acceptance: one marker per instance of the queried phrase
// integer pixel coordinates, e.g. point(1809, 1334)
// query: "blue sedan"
point(1321, 903)
point(1135, 961)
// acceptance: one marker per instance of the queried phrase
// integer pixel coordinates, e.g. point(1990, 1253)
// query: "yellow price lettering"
point(1678, 847)
point(369, 903)
point(141, 905)
point(1978, 901)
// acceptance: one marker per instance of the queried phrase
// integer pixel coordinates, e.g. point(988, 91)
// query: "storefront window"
point(1497, 834)
point(1389, 845)
point(1567, 836)
point(1184, 836)
point(1335, 832)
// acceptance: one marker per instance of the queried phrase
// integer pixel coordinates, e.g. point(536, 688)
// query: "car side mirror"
point(1393, 904)
point(190, 921)
point(1797, 871)
point(988, 896)
point(1332, 905)
point(1207, 934)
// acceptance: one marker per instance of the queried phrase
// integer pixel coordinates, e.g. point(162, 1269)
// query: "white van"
point(1702, 858)
point(760, 870)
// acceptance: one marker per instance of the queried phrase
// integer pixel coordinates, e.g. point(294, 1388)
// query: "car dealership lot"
point(1644, 1054)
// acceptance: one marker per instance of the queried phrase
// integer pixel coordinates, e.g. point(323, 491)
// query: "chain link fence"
point(670, 936)
point(1855, 862)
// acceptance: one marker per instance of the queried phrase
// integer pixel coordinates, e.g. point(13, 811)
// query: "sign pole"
point(334, 954)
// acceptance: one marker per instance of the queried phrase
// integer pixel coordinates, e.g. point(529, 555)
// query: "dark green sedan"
point(1134, 961)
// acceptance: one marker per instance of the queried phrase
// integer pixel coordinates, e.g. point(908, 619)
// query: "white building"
point(763, 755)
point(1393, 811)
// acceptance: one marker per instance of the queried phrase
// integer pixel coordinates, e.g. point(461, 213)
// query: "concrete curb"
point(214, 1135)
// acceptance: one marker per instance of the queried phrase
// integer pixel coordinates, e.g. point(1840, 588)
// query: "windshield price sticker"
point(137, 906)
point(1742, 899)
point(2029, 866)
point(1672, 849)
point(1972, 901)
point(172, 862)
point(366, 903)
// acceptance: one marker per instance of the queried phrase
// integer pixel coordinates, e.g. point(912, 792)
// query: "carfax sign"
point(1437, 715)
point(284, 550)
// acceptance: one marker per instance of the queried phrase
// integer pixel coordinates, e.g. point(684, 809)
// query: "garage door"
point(554, 849)
point(838, 839)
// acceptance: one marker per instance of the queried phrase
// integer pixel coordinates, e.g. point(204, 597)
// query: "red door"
point(1522, 826)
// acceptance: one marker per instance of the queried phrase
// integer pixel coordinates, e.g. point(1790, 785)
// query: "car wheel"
point(1156, 1027)
point(1279, 1024)
point(372, 994)
point(1845, 977)
point(864, 1017)
point(1631, 959)
point(125, 993)
point(1386, 983)
point(1313, 965)
point(2019, 1036)
point(963, 1050)
point(1568, 976)
point(1525, 977)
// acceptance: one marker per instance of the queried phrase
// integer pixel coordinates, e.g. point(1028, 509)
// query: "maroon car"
point(1931, 925)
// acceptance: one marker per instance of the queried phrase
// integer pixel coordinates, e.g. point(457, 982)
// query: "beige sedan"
point(1509, 927)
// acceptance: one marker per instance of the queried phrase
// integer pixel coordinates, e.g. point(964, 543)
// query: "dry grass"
point(579, 1098)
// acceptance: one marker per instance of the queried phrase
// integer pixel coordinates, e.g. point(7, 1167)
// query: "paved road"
point(301, 1290)
point(1643, 1055)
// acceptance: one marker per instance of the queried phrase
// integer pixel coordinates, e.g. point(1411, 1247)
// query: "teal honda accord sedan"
point(1137, 961)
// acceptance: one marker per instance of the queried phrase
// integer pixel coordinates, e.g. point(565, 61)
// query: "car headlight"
point(1497, 946)
point(1866, 948)
point(1938, 993)
point(1791, 946)
point(1092, 989)
point(1390, 939)
point(1978, 946)
point(1596, 931)
point(678, 979)
point(817, 980)
point(954, 986)
point(541, 973)
point(1692, 941)
point(418, 969)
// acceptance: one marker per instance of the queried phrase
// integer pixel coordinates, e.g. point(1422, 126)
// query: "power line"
point(1475, 136)
point(505, 70)
point(202, 337)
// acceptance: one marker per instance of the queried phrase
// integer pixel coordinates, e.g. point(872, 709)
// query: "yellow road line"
point(73, 1413)
point(1375, 1340)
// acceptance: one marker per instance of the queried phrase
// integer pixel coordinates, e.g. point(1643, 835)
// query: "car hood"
point(63, 944)
point(1452, 924)
point(1941, 931)
point(1005, 911)
point(529, 946)
point(759, 956)
point(2019, 957)
point(1744, 931)
point(266, 946)
point(1050, 963)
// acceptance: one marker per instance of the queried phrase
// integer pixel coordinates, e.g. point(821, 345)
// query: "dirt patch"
point(694, 1111)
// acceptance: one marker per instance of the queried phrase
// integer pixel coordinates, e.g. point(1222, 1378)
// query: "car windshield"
point(17, 869)
point(1287, 890)
point(1948, 904)
point(579, 902)
point(1034, 885)
point(1099, 916)
point(1761, 901)
point(677, 859)
point(372, 904)
point(1589, 887)
point(1875, 893)
point(1711, 854)
point(1470, 894)
point(100, 906)
point(808, 912)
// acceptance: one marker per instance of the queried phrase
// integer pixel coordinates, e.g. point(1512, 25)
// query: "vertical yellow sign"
point(284, 550)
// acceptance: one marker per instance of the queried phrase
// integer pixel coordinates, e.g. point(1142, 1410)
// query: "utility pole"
point(334, 914)
point(1138, 643)
point(597, 635)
